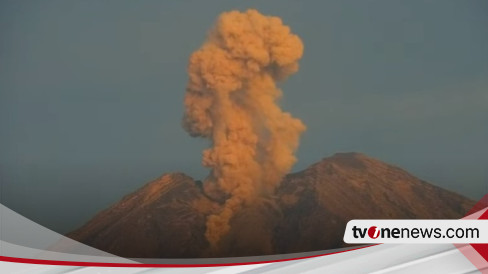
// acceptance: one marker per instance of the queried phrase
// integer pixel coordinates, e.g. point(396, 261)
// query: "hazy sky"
point(91, 93)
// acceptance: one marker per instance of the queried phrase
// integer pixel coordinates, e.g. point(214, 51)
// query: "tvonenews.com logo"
point(416, 231)
point(374, 232)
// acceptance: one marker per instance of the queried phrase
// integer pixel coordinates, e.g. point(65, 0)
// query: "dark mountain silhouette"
point(166, 217)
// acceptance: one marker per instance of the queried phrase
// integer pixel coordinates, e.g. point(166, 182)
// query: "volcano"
point(166, 218)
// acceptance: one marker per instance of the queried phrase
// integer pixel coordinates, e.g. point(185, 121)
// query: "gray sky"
point(91, 93)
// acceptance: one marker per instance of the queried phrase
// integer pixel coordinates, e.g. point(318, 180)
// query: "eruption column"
point(231, 99)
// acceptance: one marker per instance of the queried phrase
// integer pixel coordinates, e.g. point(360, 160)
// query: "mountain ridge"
point(166, 217)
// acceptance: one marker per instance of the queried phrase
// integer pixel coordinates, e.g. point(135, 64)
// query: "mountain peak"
point(166, 218)
point(352, 159)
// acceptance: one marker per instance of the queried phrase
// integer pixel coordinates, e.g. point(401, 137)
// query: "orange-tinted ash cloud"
point(231, 99)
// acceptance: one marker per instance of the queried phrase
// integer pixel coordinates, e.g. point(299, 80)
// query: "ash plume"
point(231, 99)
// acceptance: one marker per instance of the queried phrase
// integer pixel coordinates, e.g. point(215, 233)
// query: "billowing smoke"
point(231, 99)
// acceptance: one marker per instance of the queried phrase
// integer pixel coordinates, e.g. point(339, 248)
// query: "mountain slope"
point(319, 201)
point(166, 218)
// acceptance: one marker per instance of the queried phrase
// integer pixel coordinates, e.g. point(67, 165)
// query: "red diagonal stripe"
point(482, 249)
point(481, 204)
